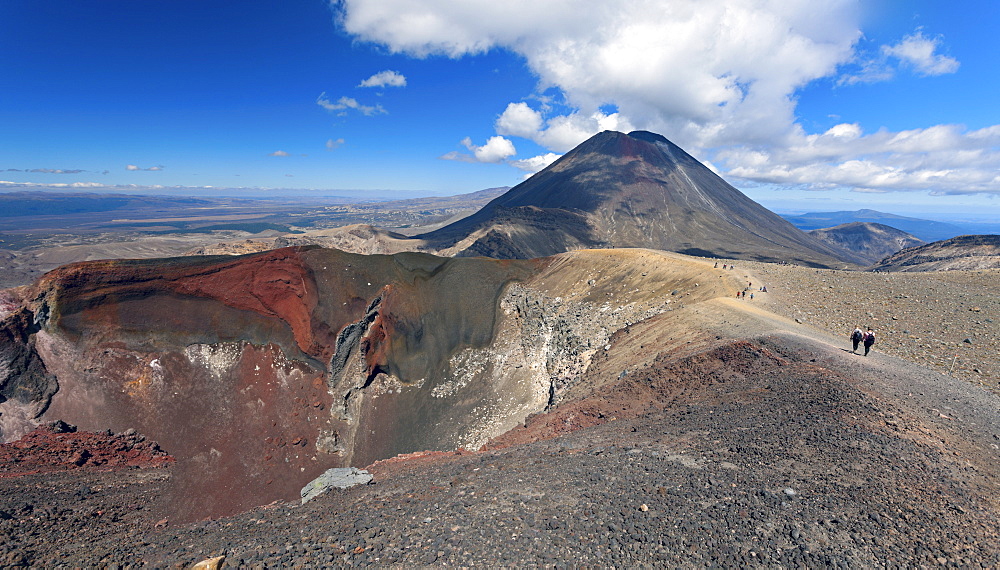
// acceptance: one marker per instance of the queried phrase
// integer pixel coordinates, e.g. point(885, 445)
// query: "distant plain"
point(41, 231)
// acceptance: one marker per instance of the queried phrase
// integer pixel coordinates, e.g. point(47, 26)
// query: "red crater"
point(277, 283)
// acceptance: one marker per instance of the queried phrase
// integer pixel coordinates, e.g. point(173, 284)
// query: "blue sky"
point(803, 106)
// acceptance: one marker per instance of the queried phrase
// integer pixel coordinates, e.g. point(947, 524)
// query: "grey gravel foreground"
point(768, 459)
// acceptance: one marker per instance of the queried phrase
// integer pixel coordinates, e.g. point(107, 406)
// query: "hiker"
point(856, 337)
point(869, 340)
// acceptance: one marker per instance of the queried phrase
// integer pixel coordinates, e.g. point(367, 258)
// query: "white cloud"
point(536, 163)
point(33, 185)
point(520, 120)
point(345, 103)
point(562, 132)
point(703, 73)
point(385, 78)
point(332, 144)
point(718, 77)
point(945, 159)
point(496, 150)
point(47, 170)
point(914, 51)
point(918, 52)
point(844, 131)
point(279, 153)
point(133, 167)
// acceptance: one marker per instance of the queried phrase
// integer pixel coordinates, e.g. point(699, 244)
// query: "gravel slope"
point(762, 443)
point(761, 457)
point(947, 321)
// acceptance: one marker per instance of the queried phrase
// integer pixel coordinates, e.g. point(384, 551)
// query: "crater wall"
point(261, 371)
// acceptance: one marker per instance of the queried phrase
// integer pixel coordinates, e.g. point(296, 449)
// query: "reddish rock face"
point(253, 371)
point(238, 417)
point(62, 448)
point(216, 357)
point(275, 284)
point(258, 373)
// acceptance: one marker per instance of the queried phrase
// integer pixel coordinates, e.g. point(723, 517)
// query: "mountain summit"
point(630, 190)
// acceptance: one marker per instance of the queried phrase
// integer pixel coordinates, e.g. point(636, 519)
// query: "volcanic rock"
point(336, 478)
point(635, 190)
point(962, 252)
point(869, 241)
point(58, 446)
point(751, 441)
point(260, 372)
point(26, 386)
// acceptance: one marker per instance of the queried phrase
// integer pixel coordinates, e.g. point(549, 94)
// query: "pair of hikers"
point(865, 338)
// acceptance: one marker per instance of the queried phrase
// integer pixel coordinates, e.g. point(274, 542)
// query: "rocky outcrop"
point(234, 247)
point(26, 386)
point(870, 242)
point(962, 252)
point(355, 238)
point(58, 446)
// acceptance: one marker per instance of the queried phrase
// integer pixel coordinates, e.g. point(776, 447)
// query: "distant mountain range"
point(926, 230)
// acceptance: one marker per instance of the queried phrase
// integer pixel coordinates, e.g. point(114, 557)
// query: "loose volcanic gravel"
point(761, 455)
point(948, 321)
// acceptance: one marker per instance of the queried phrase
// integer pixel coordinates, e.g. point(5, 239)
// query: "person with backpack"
point(869, 340)
point(856, 337)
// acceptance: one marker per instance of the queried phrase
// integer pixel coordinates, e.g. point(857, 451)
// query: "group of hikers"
point(865, 338)
point(743, 294)
point(858, 337)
